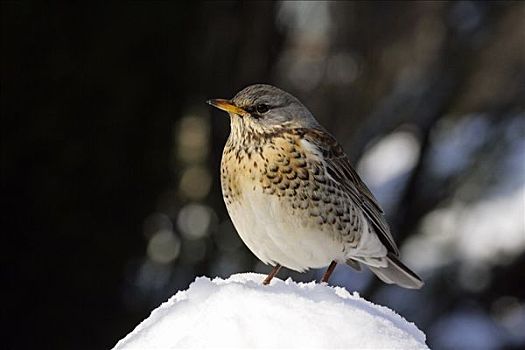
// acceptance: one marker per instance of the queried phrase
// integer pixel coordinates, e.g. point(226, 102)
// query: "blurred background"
point(109, 157)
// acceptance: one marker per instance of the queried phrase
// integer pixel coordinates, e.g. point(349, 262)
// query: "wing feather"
point(339, 168)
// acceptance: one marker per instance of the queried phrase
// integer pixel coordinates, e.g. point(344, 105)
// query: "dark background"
point(109, 156)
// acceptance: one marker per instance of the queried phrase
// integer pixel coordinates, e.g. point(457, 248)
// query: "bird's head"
point(265, 108)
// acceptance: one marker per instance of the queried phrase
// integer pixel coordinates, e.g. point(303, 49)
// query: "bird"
point(292, 195)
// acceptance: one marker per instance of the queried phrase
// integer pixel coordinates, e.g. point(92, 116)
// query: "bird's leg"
point(328, 272)
point(271, 275)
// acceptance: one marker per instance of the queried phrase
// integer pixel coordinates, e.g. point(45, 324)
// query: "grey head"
point(268, 107)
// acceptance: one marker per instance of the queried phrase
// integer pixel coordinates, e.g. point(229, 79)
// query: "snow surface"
point(240, 312)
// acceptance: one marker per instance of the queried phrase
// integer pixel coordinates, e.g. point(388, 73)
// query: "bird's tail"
point(396, 272)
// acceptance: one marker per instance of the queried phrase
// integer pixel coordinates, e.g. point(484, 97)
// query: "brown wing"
point(340, 170)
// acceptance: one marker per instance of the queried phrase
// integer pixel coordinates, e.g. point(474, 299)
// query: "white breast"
point(275, 234)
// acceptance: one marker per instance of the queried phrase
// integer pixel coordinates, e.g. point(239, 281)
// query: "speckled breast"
point(297, 193)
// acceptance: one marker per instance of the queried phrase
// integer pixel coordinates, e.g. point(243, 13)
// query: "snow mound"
point(241, 312)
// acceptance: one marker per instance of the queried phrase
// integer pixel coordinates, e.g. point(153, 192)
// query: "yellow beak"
point(227, 106)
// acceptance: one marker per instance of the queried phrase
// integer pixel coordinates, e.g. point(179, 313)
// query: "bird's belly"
point(278, 234)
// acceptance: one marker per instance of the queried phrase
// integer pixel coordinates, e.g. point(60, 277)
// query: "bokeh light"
point(163, 247)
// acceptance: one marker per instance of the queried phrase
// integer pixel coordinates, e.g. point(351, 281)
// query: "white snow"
point(240, 312)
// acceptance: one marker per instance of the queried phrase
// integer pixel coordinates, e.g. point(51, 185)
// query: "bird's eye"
point(262, 108)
